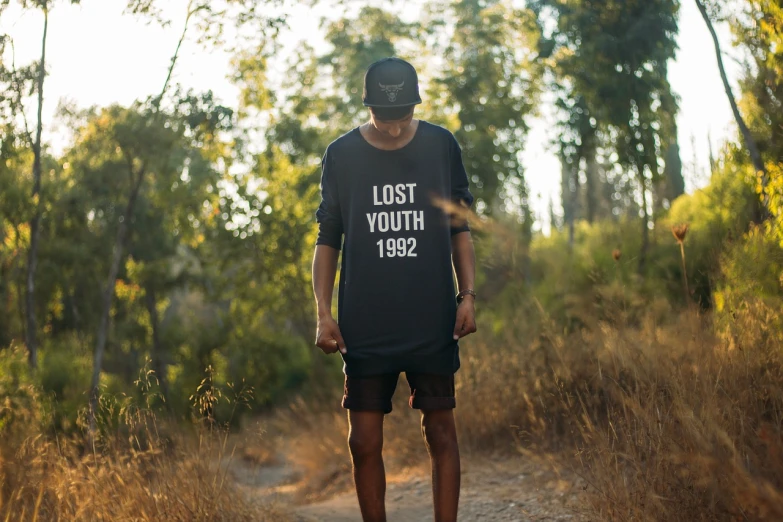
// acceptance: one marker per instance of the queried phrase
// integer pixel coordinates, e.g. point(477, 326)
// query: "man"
point(383, 186)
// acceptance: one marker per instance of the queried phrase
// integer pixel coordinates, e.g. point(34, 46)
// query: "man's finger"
point(327, 346)
point(338, 339)
point(470, 328)
point(458, 327)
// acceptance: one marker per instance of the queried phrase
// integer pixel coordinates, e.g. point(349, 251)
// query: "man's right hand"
point(328, 337)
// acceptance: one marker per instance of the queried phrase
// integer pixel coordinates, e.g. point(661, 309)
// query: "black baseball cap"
point(391, 83)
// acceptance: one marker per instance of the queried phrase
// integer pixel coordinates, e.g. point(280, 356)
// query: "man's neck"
point(386, 142)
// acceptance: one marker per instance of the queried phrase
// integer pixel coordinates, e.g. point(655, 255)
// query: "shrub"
point(136, 467)
point(64, 373)
point(20, 399)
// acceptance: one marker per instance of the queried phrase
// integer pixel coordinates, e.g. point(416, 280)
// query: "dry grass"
point(676, 417)
point(670, 420)
point(665, 420)
point(679, 422)
point(313, 436)
point(46, 481)
point(135, 468)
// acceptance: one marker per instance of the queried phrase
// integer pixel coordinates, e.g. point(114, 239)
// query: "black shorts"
point(428, 392)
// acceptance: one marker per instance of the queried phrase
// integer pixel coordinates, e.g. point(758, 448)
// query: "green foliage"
point(758, 26)
point(576, 284)
point(774, 194)
point(64, 373)
point(609, 64)
point(19, 395)
point(751, 288)
point(491, 87)
point(717, 215)
point(273, 364)
point(753, 268)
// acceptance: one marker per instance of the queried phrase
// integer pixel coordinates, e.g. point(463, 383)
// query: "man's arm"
point(464, 259)
point(328, 337)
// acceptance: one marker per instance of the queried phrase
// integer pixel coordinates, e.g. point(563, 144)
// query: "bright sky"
point(97, 55)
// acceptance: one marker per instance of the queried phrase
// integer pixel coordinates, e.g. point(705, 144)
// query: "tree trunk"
point(569, 189)
point(32, 260)
point(750, 143)
point(591, 184)
point(158, 363)
point(20, 292)
point(108, 292)
point(645, 222)
point(675, 182)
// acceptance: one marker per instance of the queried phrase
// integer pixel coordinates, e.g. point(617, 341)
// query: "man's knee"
point(364, 446)
point(438, 430)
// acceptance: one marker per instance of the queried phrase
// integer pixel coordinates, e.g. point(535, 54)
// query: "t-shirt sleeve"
point(460, 191)
point(328, 215)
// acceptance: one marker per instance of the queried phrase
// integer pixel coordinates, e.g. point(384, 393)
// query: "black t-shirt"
point(396, 307)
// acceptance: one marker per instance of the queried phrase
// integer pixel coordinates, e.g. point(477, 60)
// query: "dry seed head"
point(616, 254)
point(680, 231)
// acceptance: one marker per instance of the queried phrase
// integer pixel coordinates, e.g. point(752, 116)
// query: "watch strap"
point(465, 292)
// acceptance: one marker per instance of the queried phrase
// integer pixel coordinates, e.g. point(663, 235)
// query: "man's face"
point(391, 128)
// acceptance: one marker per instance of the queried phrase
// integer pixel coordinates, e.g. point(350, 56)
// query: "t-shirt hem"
point(445, 363)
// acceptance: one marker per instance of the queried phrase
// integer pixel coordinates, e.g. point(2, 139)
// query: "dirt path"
point(511, 490)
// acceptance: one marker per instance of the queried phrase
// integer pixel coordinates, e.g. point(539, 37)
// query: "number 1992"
point(399, 247)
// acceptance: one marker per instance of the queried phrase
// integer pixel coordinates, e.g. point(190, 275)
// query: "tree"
point(171, 218)
point(138, 148)
point(491, 87)
point(673, 180)
point(758, 26)
point(613, 54)
point(35, 142)
point(15, 209)
point(35, 222)
point(211, 19)
point(747, 137)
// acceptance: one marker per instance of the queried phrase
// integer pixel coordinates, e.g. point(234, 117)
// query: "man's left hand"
point(466, 318)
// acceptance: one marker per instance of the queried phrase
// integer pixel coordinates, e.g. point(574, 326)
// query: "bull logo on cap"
point(391, 90)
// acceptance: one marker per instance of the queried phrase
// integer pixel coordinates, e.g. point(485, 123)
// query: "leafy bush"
point(273, 365)
point(65, 369)
point(20, 405)
point(717, 214)
point(751, 289)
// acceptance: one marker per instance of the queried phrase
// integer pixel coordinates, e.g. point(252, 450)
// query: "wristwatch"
point(463, 293)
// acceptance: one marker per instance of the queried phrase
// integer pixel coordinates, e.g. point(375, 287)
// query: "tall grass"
point(668, 413)
point(675, 423)
point(664, 420)
point(136, 467)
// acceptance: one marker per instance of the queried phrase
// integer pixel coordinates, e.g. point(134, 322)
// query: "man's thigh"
point(431, 391)
point(373, 393)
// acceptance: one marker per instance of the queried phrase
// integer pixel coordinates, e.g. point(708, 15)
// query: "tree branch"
point(175, 57)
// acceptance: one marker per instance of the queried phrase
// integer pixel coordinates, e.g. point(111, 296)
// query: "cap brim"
point(387, 106)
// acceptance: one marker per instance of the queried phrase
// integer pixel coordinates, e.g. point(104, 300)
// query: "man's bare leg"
point(365, 440)
point(440, 434)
